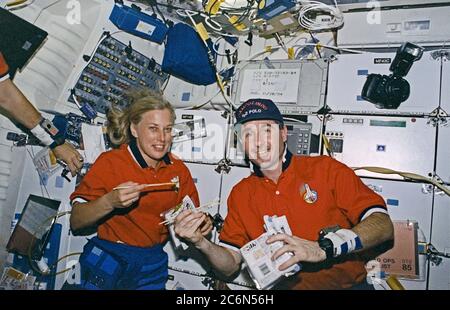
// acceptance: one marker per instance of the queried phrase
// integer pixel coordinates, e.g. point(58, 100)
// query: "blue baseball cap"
point(258, 109)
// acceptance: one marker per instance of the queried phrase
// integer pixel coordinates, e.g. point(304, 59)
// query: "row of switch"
point(353, 121)
point(97, 72)
point(88, 90)
point(110, 56)
point(122, 84)
point(127, 75)
point(133, 68)
point(103, 63)
point(334, 134)
point(302, 146)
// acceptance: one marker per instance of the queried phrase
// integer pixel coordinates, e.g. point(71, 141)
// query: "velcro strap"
point(42, 135)
point(344, 241)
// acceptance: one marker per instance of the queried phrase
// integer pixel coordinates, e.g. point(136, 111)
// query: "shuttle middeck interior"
point(365, 82)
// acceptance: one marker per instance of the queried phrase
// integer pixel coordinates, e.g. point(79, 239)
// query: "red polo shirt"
point(4, 69)
point(136, 226)
point(342, 199)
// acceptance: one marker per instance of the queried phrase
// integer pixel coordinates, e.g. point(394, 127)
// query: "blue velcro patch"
point(344, 248)
point(392, 202)
point(59, 182)
point(94, 256)
point(109, 265)
point(185, 96)
point(363, 72)
point(358, 244)
point(97, 251)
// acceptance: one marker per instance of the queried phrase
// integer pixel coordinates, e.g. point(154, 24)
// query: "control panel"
point(113, 69)
point(299, 137)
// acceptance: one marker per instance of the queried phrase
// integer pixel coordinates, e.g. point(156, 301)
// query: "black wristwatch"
point(50, 128)
point(326, 245)
point(57, 141)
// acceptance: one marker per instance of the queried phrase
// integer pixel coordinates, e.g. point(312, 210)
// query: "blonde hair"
point(139, 102)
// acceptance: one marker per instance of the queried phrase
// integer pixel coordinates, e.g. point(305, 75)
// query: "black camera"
point(388, 92)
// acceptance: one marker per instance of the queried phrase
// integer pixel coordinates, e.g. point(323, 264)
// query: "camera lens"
point(386, 92)
point(397, 89)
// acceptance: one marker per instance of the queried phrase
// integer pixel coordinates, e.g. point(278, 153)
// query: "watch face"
point(49, 127)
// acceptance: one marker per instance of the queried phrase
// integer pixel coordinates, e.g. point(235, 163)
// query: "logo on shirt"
point(310, 196)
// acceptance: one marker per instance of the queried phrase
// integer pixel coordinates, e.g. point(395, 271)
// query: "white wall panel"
point(348, 74)
point(403, 144)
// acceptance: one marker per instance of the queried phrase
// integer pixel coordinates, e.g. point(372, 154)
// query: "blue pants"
point(107, 265)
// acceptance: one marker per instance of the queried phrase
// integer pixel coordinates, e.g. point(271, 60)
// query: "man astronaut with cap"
point(332, 214)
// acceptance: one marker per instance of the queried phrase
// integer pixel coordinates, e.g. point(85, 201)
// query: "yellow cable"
point(326, 144)
point(17, 2)
point(291, 54)
point(213, 6)
point(55, 265)
point(394, 283)
point(202, 32)
point(406, 175)
point(239, 26)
